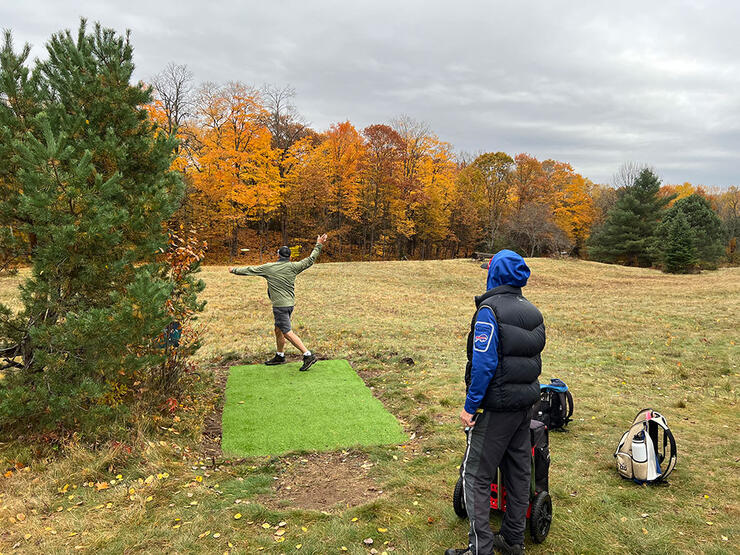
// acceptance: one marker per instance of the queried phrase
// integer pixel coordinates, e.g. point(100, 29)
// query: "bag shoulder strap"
point(563, 405)
point(674, 455)
point(569, 397)
point(670, 440)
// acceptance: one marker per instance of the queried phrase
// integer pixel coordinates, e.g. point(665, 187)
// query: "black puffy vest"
point(521, 334)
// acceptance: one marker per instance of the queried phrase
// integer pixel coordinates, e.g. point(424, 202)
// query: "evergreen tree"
point(90, 189)
point(679, 252)
point(627, 234)
point(17, 111)
point(706, 229)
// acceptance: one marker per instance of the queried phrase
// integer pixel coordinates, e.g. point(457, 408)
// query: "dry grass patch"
point(622, 338)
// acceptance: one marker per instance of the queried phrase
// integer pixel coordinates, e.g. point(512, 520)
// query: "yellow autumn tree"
point(468, 211)
point(574, 210)
point(346, 156)
point(379, 198)
point(529, 182)
point(677, 192)
point(306, 189)
point(417, 142)
point(437, 183)
point(234, 165)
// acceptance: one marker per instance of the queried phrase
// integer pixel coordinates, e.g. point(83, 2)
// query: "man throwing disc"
point(280, 278)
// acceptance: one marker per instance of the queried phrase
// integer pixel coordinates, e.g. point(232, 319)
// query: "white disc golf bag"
point(647, 451)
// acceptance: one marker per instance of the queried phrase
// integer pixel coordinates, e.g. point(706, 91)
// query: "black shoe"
point(308, 361)
point(499, 544)
point(277, 359)
point(465, 551)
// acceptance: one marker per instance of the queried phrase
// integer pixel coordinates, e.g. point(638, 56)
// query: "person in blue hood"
point(507, 268)
point(507, 335)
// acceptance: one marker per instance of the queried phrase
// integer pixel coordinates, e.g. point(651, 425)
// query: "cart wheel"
point(458, 501)
point(541, 517)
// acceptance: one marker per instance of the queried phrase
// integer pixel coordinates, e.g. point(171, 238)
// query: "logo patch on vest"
point(482, 336)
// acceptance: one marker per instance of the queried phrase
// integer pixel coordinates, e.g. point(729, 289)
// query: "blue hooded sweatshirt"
point(505, 268)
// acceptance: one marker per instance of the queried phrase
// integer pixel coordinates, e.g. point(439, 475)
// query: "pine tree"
point(91, 190)
point(627, 234)
point(17, 110)
point(706, 229)
point(679, 252)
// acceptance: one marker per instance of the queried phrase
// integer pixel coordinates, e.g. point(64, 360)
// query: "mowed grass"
point(622, 338)
point(273, 410)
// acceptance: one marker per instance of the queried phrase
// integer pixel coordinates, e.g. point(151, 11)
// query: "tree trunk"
point(261, 230)
point(372, 241)
point(284, 224)
point(234, 247)
point(493, 234)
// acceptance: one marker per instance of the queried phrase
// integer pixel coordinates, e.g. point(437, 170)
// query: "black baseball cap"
point(284, 252)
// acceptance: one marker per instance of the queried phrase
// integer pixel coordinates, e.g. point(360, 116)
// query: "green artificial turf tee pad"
point(271, 410)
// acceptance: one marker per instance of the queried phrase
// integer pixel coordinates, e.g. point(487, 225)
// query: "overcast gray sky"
point(593, 83)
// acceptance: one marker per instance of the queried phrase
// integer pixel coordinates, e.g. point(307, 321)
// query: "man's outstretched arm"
point(247, 270)
point(310, 259)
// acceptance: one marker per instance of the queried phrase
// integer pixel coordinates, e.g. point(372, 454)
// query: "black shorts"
point(282, 317)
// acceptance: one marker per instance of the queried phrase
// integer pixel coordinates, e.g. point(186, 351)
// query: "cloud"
point(591, 83)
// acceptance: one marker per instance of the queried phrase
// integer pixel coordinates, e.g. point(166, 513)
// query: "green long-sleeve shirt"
point(280, 276)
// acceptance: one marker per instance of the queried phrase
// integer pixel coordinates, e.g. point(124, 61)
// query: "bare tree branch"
point(284, 122)
point(173, 86)
point(627, 174)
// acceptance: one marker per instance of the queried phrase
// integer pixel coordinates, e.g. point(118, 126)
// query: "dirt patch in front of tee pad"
point(323, 481)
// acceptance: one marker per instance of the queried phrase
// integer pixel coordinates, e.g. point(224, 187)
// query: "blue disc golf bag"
point(555, 406)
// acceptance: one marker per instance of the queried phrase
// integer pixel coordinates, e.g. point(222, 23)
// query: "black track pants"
point(497, 439)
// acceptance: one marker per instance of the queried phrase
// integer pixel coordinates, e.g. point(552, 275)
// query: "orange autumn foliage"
point(388, 191)
point(233, 164)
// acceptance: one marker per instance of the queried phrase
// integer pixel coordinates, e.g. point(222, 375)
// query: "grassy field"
point(622, 338)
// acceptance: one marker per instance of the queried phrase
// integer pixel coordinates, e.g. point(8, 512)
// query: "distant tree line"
point(258, 176)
